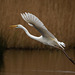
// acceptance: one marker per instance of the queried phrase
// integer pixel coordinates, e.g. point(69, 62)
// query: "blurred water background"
point(21, 55)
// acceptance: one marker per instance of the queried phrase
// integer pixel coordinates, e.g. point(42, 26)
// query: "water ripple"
point(54, 71)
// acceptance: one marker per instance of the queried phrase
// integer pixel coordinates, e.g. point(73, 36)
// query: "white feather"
point(32, 20)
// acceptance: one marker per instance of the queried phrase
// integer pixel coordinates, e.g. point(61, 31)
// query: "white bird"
point(46, 37)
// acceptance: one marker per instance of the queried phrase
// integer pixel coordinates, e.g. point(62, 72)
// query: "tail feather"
point(62, 45)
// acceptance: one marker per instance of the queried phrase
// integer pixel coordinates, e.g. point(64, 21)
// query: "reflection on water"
point(37, 62)
point(1, 59)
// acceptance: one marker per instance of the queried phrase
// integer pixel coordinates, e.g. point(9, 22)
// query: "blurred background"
point(21, 55)
point(57, 15)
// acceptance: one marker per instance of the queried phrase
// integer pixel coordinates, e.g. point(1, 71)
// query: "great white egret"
point(46, 37)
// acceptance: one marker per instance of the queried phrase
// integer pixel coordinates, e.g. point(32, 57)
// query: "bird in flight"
point(46, 37)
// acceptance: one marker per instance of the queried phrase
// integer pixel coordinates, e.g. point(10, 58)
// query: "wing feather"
point(32, 20)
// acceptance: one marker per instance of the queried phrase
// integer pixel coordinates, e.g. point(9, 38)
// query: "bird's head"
point(16, 26)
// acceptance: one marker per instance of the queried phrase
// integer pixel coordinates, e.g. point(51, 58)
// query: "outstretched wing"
point(32, 20)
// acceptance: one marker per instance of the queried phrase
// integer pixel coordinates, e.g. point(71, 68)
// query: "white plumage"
point(46, 37)
point(32, 20)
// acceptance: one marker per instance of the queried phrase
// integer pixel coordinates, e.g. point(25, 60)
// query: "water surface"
point(36, 62)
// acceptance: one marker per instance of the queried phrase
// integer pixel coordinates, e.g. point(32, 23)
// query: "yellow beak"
point(13, 26)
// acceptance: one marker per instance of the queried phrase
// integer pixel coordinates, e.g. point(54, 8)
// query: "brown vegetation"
point(57, 15)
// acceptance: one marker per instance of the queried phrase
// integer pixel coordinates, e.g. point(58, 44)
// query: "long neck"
point(31, 36)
